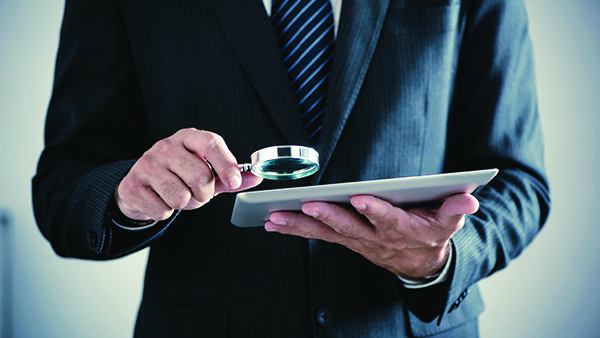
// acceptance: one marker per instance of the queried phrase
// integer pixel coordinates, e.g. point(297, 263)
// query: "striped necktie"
point(305, 30)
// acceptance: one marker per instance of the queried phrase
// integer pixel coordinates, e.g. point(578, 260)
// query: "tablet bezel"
point(252, 209)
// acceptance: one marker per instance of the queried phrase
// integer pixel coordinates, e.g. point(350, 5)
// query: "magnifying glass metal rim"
point(306, 157)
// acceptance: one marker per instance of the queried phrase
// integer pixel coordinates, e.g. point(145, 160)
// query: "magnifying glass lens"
point(285, 162)
point(285, 169)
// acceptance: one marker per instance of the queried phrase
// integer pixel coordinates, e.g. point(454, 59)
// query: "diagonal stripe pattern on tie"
point(305, 30)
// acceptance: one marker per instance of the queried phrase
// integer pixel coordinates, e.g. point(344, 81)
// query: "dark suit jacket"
point(417, 87)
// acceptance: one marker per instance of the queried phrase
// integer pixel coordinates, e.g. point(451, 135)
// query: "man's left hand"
point(411, 243)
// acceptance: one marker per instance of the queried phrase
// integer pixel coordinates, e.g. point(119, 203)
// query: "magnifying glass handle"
point(245, 167)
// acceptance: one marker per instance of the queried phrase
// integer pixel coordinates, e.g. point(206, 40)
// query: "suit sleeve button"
point(324, 316)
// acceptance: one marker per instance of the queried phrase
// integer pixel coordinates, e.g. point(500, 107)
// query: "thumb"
point(249, 180)
point(457, 206)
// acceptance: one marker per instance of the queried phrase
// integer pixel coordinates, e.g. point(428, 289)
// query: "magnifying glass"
point(283, 162)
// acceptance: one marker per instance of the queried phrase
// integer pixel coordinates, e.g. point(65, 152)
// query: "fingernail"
point(360, 206)
point(235, 182)
point(269, 227)
point(310, 210)
point(278, 221)
point(312, 214)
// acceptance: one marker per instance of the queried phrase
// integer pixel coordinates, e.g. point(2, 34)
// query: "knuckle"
point(350, 231)
point(154, 211)
point(200, 180)
point(128, 187)
point(144, 166)
point(387, 219)
point(203, 196)
point(174, 196)
point(186, 164)
point(202, 187)
point(394, 236)
point(321, 233)
point(384, 218)
point(214, 141)
point(180, 200)
point(185, 132)
point(163, 146)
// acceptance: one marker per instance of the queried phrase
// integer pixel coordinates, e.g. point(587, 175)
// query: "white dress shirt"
point(336, 4)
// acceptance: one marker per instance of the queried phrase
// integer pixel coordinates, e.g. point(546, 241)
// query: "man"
point(147, 94)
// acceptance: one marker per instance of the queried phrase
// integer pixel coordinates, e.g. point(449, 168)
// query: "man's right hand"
point(174, 175)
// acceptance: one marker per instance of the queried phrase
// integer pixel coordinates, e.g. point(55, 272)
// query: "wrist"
point(437, 278)
point(121, 220)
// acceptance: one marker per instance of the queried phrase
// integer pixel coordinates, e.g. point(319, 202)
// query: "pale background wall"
point(550, 291)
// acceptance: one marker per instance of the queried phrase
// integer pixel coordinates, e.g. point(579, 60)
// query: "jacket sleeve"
point(494, 123)
point(95, 129)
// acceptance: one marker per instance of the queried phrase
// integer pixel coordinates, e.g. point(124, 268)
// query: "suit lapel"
point(358, 33)
point(252, 38)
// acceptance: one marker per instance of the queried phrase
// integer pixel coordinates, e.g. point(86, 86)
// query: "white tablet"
point(252, 209)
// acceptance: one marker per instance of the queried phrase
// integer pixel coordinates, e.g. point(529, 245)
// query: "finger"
point(165, 168)
point(298, 224)
point(194, 204)
point(380, 213)
point(136, 193)
point(141, 202)
point(196, 175)
point(249, 180)
point(154, 206)
point(172, 190)
point(169, 154)
point(341, 220)
point(457, 206)
point(212, 148)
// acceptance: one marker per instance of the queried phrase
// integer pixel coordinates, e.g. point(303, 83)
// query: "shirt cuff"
point(433, 280)
point(123, 222)
point(134, 227)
